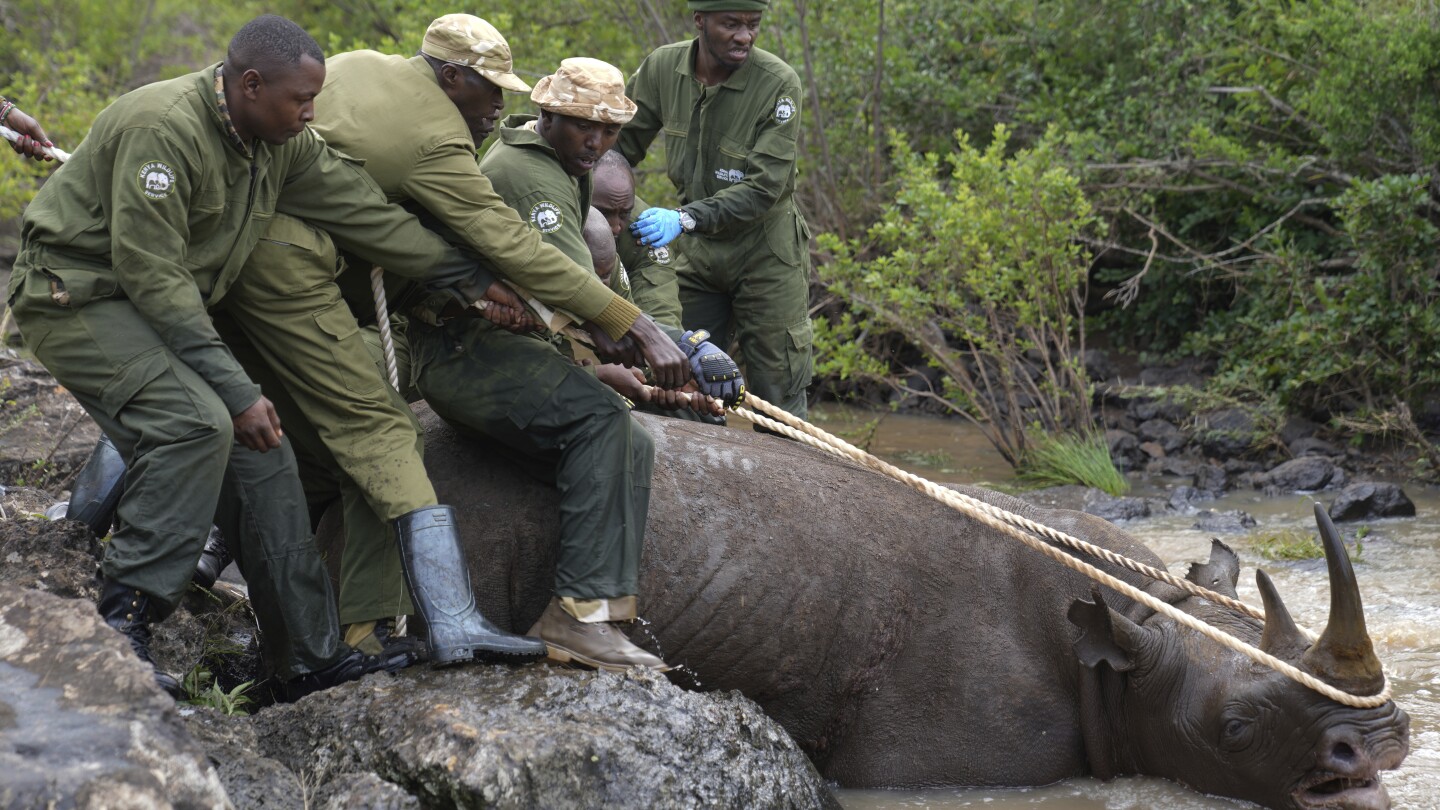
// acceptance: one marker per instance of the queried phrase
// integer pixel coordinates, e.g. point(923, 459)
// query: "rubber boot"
point(599, 645)
point(214, 559)
point(440, 587)
point(352, 666)
point(98, 488)
point(128, 610)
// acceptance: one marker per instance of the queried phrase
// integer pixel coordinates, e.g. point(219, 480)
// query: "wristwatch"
point(687, 222)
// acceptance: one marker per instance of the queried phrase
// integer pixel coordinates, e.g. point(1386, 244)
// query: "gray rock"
point(1233, 521)
point(537, 736)
point(1211, 479)
point(1298, 427)
point(1152, 450)
point(1177, 466)
point(1225, 433)
point(1308, 474)
point(1162, 433)
point(82, 723)
point(1098, 365)
point(1182, 499)
point(1368, 500)
point(1124, 448)
point(1312, 446)
point(1236, 466)
point(1112, 508)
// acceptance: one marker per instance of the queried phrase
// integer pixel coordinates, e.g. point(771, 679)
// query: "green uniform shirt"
point(527, 174)
point(157, 205)
point(390, 112)
point(729, 149)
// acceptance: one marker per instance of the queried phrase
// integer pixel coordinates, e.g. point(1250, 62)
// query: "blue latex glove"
point(714, 370)
point(656, 227)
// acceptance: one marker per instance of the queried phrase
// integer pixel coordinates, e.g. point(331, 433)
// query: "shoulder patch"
point(784, 109)
point(157, 179)
point(624, 279)
point(545, 217)
point(660, 255)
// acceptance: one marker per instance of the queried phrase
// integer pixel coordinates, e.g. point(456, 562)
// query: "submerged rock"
point(1233, 521)
point(1368, 500)
point(1307, 474)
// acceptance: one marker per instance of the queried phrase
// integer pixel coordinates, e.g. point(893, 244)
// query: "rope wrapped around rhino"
point(1021, 528)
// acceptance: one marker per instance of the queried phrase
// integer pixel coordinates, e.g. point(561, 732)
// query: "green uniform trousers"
point(562, 426)
point(754, 287)
point(183, 472)
point(295, 336)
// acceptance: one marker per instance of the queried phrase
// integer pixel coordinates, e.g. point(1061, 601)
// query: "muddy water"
point(1398, 570)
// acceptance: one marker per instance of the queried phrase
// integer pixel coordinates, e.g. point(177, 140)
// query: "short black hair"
point(270, 41)
point(614, 160)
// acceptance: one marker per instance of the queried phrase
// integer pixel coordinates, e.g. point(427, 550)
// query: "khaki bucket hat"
point(468, 40)
point(585, 88)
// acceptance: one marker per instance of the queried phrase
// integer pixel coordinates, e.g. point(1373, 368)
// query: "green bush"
point(976, 265)
point(1078, 458)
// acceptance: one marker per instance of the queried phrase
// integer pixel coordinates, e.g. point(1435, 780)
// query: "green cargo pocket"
point(132, 377)
point(789, 238)
point(799, 357)
point(352, 359)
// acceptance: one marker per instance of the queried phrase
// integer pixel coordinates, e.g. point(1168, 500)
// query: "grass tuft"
point(1072, 459)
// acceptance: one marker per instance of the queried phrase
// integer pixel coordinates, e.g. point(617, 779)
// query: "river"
point(1397, 571)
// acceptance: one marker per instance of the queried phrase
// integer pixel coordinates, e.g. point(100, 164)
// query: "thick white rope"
point(53, 151)
point(1011, 525)
point(382, 314)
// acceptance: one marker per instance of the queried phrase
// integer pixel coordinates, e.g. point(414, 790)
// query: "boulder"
point(1298, 427)
point(1225, 433)
point(1233, 521)
point(1308, 474)
point(531, 736)
point(1367, 500)
point(1115, 509)
point(1124, 448)
point(1211, 479)
point(1162, 433)
point(82, 722)
point(1312, 446)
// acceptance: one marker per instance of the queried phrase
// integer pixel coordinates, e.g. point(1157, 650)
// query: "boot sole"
point(465, 655)
point(560, 655)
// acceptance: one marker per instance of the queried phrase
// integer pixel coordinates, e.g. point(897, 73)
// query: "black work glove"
point(714, 370)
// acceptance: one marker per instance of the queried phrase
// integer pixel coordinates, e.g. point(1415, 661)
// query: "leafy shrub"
point(1079, 458)
point(976, 265)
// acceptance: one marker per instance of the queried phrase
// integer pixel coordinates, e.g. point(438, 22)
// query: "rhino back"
point(900, 642)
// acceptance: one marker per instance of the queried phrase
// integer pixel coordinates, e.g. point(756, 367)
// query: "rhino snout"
point(1347, 769)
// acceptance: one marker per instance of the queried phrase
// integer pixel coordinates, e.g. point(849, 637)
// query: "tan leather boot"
point(600, 645)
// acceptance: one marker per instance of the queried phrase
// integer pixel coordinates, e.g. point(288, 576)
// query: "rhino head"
point(1159, 699)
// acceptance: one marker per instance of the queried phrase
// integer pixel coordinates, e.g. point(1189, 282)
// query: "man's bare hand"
point(627, 382)
point(505, 309)
point(33, 140)
point(624, 351)
point(667, 363)
point(258, 426)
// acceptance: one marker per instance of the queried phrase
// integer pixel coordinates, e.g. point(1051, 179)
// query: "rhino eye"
point(1237, 730)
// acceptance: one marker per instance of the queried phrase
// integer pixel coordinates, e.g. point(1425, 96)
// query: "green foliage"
point(1329, 341)
point(977, 267)
point(1076, 458)
point(201, 689)
point(1295, 544)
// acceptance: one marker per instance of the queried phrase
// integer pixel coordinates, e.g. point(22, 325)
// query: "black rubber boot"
point(128, 610)
point(98, 488)
point(214, 559)
point(440, 586)
point(353, 666)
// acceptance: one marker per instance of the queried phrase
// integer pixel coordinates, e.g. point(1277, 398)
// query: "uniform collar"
point(737, 81)
point(227, 125)
point(519, 130)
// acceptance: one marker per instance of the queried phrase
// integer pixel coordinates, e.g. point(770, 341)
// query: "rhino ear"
point(1104, 634)
point(1220, 574)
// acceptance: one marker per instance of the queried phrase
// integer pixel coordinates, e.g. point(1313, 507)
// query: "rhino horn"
point(1343, 655)
point(1281, 638)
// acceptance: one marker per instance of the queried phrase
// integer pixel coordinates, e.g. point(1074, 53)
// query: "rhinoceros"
point(904, 644)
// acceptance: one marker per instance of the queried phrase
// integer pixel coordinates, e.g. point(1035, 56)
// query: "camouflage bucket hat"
point(729, 5)
point(585, 88)
point(467, 40)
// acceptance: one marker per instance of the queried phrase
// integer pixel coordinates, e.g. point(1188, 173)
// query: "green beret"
point(729, 5)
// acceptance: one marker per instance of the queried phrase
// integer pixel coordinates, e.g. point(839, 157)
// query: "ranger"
point(416, 122)
point(731, 115)
point(122, 250)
